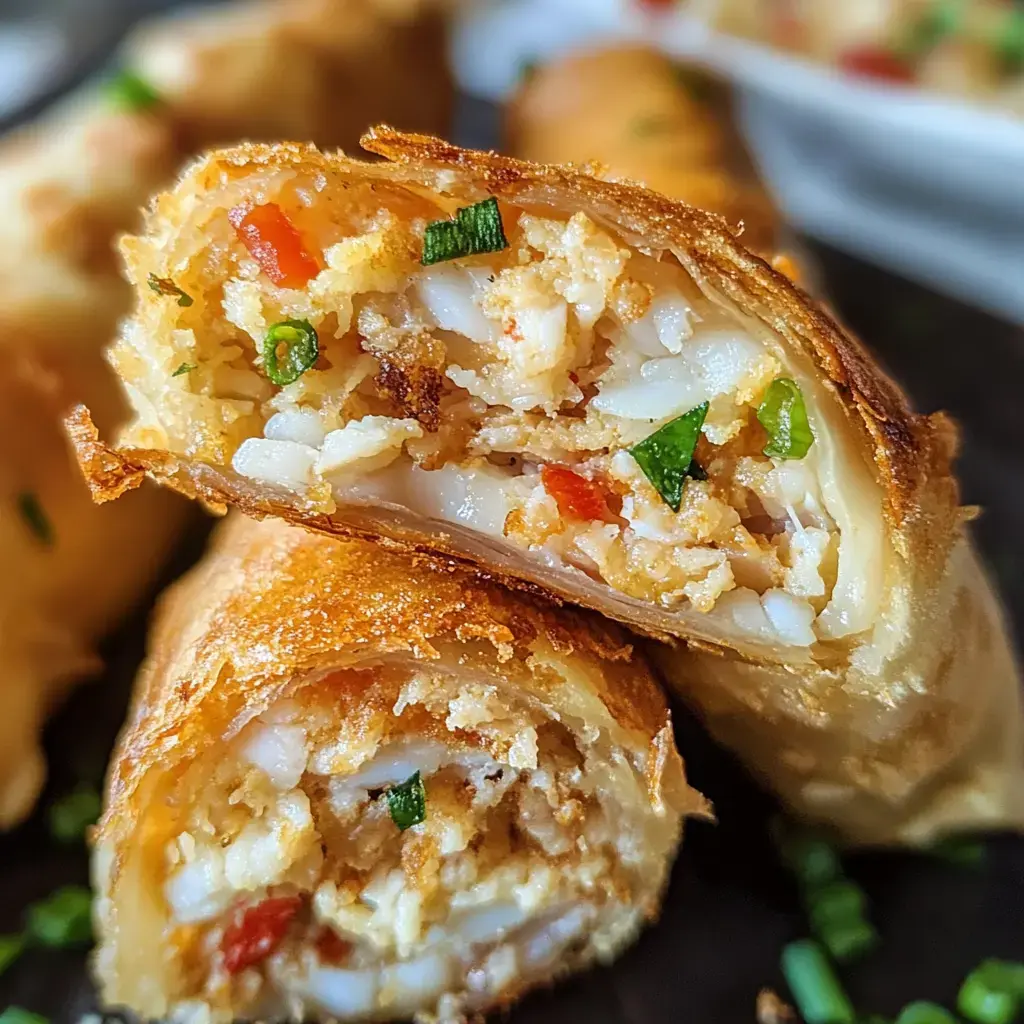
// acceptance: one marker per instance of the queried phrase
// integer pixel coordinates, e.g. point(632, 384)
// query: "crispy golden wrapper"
point(68, 186)
point(292, 679)
point(643, 117)
point(845, 689)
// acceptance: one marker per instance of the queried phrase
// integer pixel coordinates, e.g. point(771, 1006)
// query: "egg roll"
point(640, 116)
point(69, 185)
point(361, 785)
point(582, 386)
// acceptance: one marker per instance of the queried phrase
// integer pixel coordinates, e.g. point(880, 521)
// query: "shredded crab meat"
point(448, 389)
point(289, 830)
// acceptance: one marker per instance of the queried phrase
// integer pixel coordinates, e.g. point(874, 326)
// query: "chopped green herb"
point(923, 1012)
point(35, 518)
point(667, 455)
point(16, 1015)
point(131, 92)
point(165, 286)
point(836, 901)
point(783, 414)
point(1010, 42)
point(407, 802)
point(812, 860)
point(940, 21)
point(63, 919)
point(816, 990)
point(11, 947)
point(987, 995)
point(1006, 975)
point(847, 940)
point(290, 349)
point(963, 851)
point(184, 368)
point(73, 813)
point(474, 230)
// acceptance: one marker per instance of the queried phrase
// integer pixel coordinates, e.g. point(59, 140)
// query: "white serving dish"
point(929, 187)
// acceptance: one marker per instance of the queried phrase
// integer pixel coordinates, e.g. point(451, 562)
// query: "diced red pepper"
point(274, 243)
point(332, 948)
point(875, 62)
point(257, 932)
point(575, 495)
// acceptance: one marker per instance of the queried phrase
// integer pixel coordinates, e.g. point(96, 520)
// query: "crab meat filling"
point(505, 393)
point(445, 845)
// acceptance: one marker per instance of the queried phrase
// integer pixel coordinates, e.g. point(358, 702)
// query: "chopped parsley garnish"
point(991, 993)
point(474, 230)
point(783, 414)
point(61, 920)
point(73, 813)
point(941, 20)
point(290, 349)
point(183, 369)
point(1010, 42)
point(11, 947)
point(35, 517)
point(165, 286)
point(923, 1012)
point(16, 1015)
point(407, 802)
point(666, 457)
point(131, 92)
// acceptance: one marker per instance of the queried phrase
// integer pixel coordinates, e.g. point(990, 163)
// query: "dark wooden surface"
point(730, 907)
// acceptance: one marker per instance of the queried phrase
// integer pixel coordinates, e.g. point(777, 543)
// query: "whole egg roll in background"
point(267, 849)
point(69, 186)
point(645, 118)
point(613, 400)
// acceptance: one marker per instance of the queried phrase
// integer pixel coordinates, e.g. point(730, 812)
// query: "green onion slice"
point(407, 802)
point(812, 860)
point(73, 813)
point(11, 947)
point(783, 414)
point(61, 920)
point(16, 1015)
point(847, 940)
point(165, 286)
point(923, 1012)
point(290, 349)
point(816, 990)
point(666, 457)
point(131, 92)
point(36, 518)
point(1010, 43)
point(475, 229)
point(985, 996)
point(183, 369)
point(962, 851)
point(941, 20)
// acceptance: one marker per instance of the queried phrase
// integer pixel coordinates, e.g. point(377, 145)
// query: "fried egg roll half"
point(362, 785)
point(645, 118)
point(586, 387)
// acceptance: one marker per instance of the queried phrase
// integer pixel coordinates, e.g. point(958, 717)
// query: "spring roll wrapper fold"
point(937, 631)
point(268, 616)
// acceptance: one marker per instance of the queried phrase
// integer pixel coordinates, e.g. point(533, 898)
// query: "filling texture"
point(300, 880)
point(512, 393)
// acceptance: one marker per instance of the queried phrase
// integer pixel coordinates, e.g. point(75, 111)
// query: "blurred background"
point(872, 149)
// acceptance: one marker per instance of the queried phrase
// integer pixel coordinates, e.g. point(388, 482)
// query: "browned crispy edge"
point(912, 453)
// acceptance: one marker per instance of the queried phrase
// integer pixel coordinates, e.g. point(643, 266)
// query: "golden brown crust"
point(271, 606)
point(911, 453)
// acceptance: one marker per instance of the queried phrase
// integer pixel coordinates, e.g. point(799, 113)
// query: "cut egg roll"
point(640, 116)
point(358, 784)
point(69, 185)
point(582, 386)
